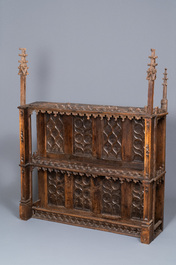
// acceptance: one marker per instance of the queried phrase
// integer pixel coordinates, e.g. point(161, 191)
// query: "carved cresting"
point(164, 99)
point(151, 76)
point(23, 72)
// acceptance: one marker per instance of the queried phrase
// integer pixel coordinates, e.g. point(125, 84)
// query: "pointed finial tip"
point(23, 69)
point(165, 76)
point(151, 72)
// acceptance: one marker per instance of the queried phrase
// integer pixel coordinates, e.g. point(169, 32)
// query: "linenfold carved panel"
point(56, 188)
point(111, 196)
point(138, 140)
point(137, 201)
point(112, 138)
point(81, 194)
point(82, 136)
point(54, 132)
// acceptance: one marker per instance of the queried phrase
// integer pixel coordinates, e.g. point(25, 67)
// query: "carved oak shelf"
point(101, 167)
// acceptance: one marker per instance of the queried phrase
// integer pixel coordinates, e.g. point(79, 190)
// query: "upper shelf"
point(91, 110)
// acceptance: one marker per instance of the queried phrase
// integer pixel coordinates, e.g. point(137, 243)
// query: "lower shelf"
point(84, 221)
point(129, 207)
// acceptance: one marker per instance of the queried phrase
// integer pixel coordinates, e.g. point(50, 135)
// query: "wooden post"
point(25, 143)
point(151, 76)
point(148, 225)
point(164, 99)
point(23, 72)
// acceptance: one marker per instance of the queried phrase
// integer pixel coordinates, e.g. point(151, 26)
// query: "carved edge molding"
point(116, 115)
point(75, 169)
point(94, 115)
point(91, 171)
point(73, 220)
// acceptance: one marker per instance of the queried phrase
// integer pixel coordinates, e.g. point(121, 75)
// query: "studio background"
point(85, 52)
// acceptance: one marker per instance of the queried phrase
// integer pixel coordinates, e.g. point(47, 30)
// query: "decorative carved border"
point(75, 169)
point(93, 110)
point(87, 222)
point(88, 110)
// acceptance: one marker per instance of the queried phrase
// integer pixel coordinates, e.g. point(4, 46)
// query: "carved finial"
point(165, 83)
point(164, 99)
point(23, 72)
point(151, 76)
point(151, 72)
point(23, 63)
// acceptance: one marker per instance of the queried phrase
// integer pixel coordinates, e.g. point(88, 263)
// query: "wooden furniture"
point(100, 167)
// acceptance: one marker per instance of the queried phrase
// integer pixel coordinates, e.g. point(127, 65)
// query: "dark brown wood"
point(126, 200)
point(68, 191)
point(127, 141)
point(96, 189)
point(101, 167)
point(42, 188)
point(68, 134)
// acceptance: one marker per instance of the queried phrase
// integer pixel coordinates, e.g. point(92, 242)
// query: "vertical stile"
point(25, 143)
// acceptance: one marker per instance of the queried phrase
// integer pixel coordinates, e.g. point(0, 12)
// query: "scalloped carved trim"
point(94, 115)
point(88, 110)
point(93, 171)
point(74, 220)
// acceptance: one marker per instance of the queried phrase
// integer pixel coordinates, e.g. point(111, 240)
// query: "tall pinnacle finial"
point(23, 68)
point(151, 72)
point(151, 76)
point(164, 99)
point(23, 72)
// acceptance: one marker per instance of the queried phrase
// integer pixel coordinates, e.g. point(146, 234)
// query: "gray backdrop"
point(89, 52)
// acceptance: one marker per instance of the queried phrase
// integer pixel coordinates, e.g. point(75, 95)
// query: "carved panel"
point(112, 139)
point(56, 188)
point(138, 140)
point(82, 136)
point(137, 201)
point(81, 194)
point(111, 196)
point(54, 132)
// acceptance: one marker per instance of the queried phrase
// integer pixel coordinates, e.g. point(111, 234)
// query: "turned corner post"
point(151, 76)
point(25, 208)
point(23, 72)
point(164, 100)
point(147, 224)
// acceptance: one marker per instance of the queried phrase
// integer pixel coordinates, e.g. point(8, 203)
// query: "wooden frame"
point(100, 167)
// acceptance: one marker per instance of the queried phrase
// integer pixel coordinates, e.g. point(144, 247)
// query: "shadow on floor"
point(10, 173)
point(169, 211)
